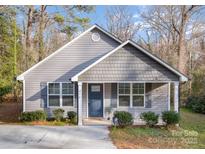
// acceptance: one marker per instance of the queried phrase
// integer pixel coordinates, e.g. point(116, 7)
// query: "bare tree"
point(43, 19)
point(28, 34)
point(186, 12)
point(121, 23)
point(170, 23)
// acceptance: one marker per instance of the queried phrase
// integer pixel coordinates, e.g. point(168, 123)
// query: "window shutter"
point(76, 95)
point(148, 95)
point(43, 87)
point(114, 95)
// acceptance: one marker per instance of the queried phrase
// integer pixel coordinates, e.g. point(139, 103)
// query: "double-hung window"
point(67, 94)
point(124, 94)
point(60, 94)
point(131, 94)
point(138, 91)
point(54, 94)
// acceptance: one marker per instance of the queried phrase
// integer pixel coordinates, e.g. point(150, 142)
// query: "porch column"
point(176, 96)
point(80, 104)
point(169, 96)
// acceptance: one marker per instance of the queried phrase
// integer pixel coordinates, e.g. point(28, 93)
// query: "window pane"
point(141, 91)
point(67, 88)
point(138, 100)
point(54, 88)
point(124, 88)
point(67, 100)
point(138, 88)
point(54, 100)
point(127, 91)
point(95, 88)
point(121, 91)
point(124, 101)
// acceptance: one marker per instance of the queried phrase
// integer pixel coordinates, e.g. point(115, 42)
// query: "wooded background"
point(176, 34)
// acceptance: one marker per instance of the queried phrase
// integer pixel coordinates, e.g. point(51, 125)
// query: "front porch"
point(156, 98)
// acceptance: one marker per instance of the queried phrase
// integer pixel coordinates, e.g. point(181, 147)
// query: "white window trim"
point(139, 95)
point(118, 95)
point(131, 96)
point(61, 96)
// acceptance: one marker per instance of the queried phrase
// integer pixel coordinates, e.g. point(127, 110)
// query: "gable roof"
point(103, 56)
point(175, 71)
point(21, 76)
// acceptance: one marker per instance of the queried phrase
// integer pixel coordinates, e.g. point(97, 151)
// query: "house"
point(96, 74)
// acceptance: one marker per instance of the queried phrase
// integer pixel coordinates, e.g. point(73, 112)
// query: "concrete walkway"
point(45, 137)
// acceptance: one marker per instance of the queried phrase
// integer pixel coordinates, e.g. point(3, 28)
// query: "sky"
point(98, 16)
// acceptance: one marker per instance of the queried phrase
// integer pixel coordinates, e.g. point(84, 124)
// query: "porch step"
point(96, 122)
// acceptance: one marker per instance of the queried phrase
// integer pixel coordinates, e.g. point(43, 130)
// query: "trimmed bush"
point(170, 117)
point(58, 114)
point(33, 116)
point(123, 118)
point(150, 118)
point(72, 116)
point(196, 104)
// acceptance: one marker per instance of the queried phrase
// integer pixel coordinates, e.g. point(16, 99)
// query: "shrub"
point(72, 116)
point(150, 118)
point(5, 90)
point(33, 116)
point(123, 118)
point(58, 114)
point(170, 117)
point(196, 104)
point(40, 115)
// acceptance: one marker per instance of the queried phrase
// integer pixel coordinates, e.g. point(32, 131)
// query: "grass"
point(159, 137)
point(194, 121)
point(144, 137)
point(190, 120)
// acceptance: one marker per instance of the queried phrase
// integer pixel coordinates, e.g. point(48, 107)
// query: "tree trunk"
point(40, 33)
point(183, 56)
point(28, 35)
point(14, 64)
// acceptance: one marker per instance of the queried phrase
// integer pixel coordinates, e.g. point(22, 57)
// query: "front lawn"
point(194, 121)
point(160, 137)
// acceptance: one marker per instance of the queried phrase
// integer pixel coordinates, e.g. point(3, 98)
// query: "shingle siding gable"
point(128, 64)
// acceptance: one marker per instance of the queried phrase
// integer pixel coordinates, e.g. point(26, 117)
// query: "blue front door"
point(95, 100)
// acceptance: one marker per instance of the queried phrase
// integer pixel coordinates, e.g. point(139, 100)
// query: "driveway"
point(44, 137)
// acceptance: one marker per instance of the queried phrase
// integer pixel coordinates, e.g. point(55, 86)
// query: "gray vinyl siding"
point(65, 64)
point(128, 64)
